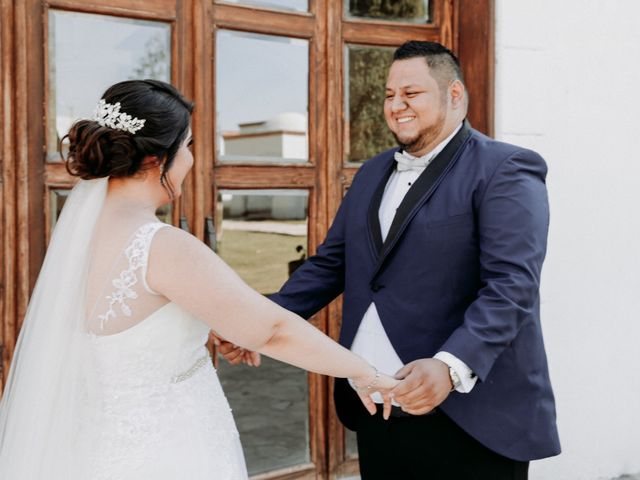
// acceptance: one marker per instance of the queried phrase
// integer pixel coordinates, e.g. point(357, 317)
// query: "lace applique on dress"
point(137, 255)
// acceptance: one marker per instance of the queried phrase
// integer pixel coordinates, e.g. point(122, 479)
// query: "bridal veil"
point(48, 397)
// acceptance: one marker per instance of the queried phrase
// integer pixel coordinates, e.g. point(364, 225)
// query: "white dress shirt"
point(371, 341)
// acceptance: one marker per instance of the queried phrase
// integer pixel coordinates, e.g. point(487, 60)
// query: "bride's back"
point(109, 379)
point(118, 295)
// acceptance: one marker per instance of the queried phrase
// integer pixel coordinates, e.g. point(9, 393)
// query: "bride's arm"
point(188, 273)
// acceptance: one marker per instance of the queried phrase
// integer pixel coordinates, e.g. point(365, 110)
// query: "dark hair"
point(443, 64)
point(97, 151)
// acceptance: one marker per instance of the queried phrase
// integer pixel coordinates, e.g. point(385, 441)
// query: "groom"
point(438, 248)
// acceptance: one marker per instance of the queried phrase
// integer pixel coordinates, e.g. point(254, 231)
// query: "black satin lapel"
point(424, 186)
point(374, 219)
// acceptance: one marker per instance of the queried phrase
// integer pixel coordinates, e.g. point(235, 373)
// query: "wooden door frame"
point(7, 192)
point(466, 26)
point(308, 176)
point(18, 145)
point(26, 171)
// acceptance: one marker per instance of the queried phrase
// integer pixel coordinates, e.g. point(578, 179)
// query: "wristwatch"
point(455, 379)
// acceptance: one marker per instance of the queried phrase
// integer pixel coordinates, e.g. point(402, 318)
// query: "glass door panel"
point(262, 98)
point(286, 5)
point(57, 198)
point(79, 71)
point(350, 443)
point(262, 235)
point(414, 11)
point(365, 75)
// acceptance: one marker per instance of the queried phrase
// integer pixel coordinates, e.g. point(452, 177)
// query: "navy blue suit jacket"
point(459, 272)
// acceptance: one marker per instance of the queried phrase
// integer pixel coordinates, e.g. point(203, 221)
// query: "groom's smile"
point(414, 108)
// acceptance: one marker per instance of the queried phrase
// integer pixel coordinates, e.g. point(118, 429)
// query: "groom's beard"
point(424, 137)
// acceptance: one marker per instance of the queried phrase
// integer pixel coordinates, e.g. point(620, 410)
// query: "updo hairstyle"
point(97, 151)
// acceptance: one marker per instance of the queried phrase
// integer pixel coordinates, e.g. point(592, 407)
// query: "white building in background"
point(280, 204)
point(567, 86)
point(283, 138)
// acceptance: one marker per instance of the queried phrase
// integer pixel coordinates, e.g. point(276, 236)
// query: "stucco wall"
point(568, 86)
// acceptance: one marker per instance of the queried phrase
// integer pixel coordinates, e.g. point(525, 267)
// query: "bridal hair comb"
point(109, 115)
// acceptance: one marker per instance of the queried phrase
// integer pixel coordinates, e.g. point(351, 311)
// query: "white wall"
point(568, 86)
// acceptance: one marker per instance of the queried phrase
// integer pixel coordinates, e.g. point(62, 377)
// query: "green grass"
point(261, 259)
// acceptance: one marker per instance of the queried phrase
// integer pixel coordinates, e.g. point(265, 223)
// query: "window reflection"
point(290, 5)
point(57, 198)
point(350, 443)
point(79, 71)
point(366, 131)
point(414, 11)
point(165, 212)
point(261, 97)
point(262, 235)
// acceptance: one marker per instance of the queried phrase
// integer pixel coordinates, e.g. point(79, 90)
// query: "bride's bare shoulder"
point(173, 250)
point(178, 261)
point(174, 241)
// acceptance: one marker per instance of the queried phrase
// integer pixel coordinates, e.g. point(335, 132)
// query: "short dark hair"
point(443, 64)
point(97, 151)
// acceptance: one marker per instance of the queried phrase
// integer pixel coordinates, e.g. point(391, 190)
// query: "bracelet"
point(372, 383)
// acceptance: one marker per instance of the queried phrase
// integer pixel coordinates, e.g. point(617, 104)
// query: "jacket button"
point(376, 287)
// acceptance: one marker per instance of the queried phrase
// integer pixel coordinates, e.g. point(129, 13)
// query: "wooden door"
point(288, 100)
point(58, 57)
point(361, 38)
point(264, 193)
point(322, 80)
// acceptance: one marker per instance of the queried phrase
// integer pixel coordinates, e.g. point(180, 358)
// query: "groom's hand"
point(234, 354)
point(424, 385)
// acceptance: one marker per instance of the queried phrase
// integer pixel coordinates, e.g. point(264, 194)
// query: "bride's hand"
point(233, 353)
point(376, 382)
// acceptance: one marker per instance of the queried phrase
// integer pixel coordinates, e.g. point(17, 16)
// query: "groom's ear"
point(457, 94)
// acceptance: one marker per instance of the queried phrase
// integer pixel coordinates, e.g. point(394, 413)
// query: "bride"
point(110, 378)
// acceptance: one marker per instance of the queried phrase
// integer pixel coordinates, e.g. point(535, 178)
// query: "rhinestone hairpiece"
point(109, 115)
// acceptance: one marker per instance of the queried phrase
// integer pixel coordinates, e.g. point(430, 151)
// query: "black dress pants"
point(428, 447)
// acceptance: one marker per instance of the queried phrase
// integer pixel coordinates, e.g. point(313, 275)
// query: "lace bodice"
point(164, 343)
point(128, 291)
point(161, 412)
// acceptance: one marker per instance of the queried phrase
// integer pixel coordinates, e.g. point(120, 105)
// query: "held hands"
point(375, 382)
point(418, 387)
point(233, 353)
point(424, 385)
point(366, 385)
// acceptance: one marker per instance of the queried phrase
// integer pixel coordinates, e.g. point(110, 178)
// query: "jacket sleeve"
point(513, 220)
point(320, 278)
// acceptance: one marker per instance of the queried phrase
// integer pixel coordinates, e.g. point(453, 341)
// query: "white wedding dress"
point(161, 414)
point(124, 390)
